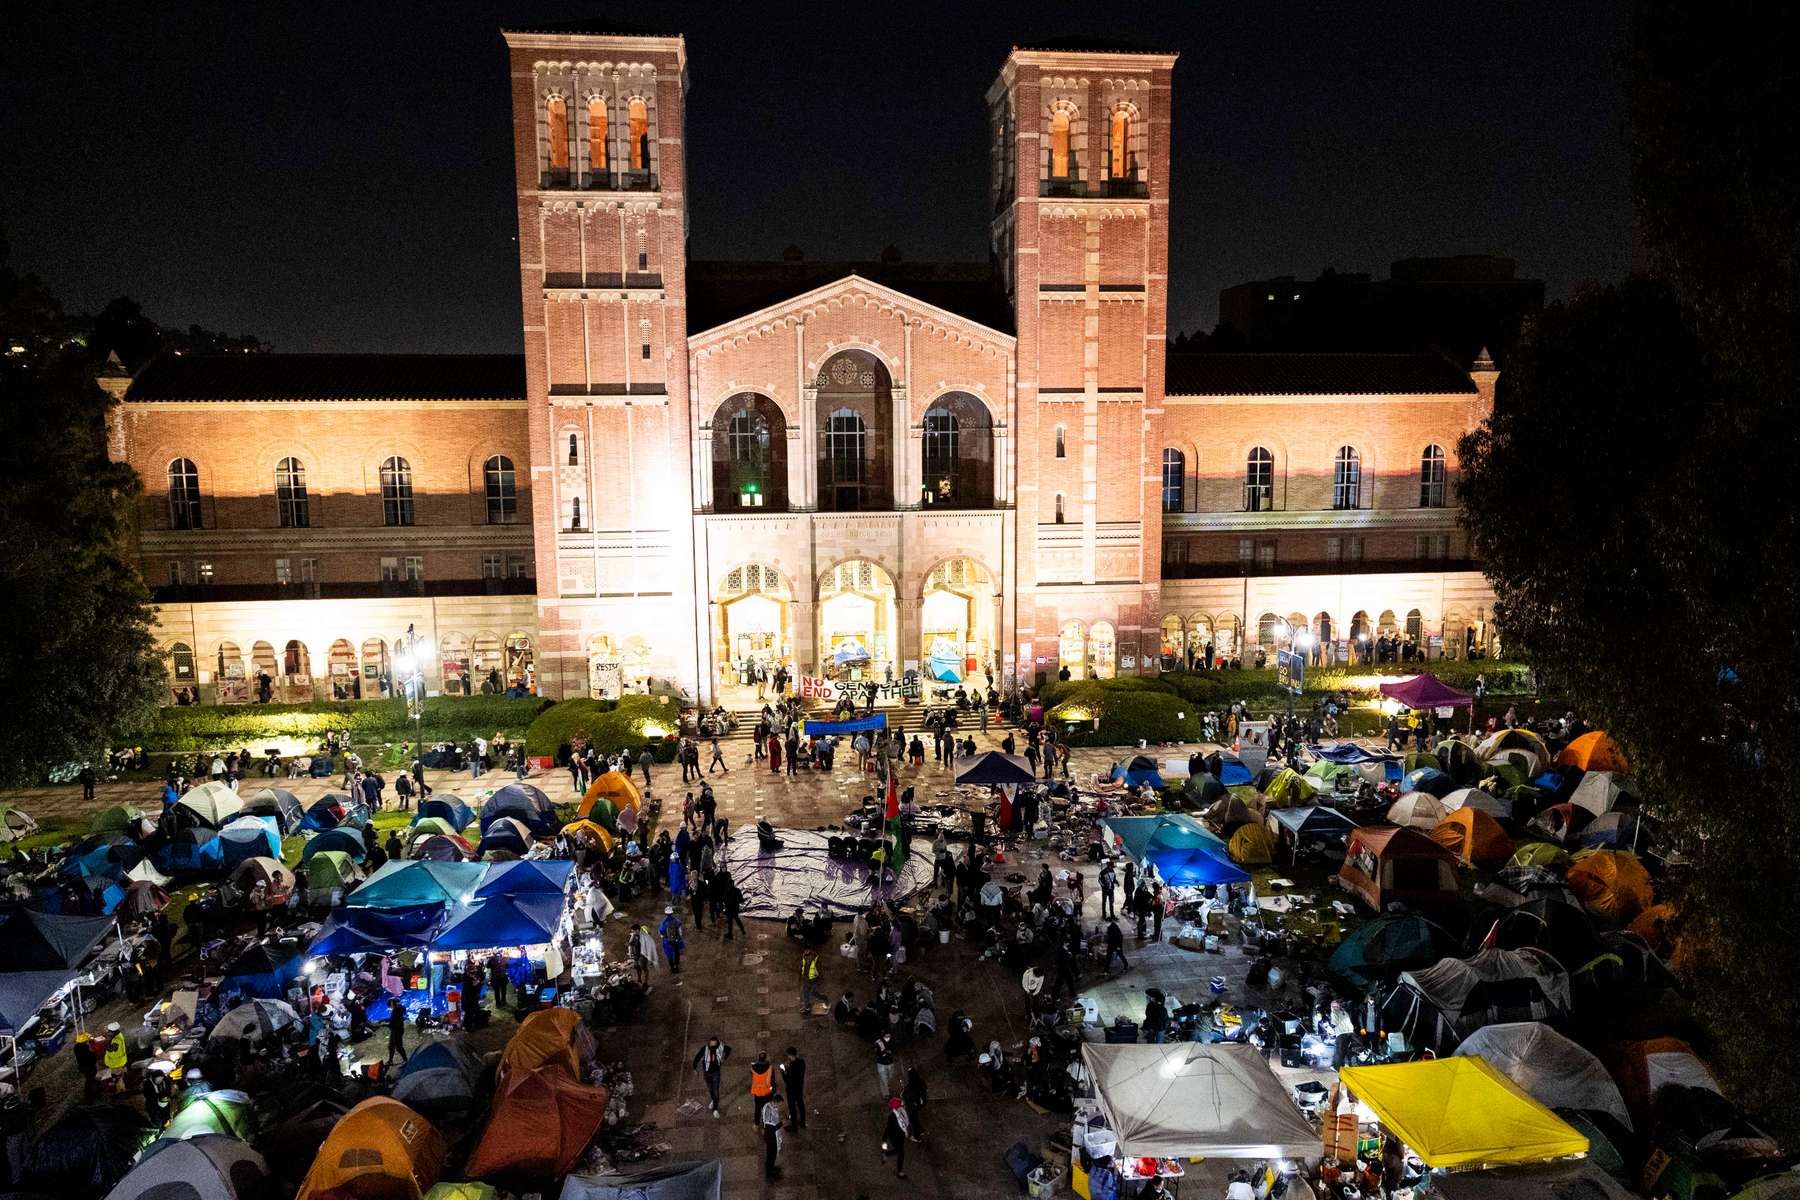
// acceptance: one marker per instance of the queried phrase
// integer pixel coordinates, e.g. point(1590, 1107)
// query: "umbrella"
point(257, 1020)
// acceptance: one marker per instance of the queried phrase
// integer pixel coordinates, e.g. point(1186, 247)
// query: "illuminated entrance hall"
point(856, 623)
point(958, 622)
point(752, 629)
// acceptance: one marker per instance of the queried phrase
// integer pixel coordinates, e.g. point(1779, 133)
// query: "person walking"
point(762, 1084)
point(793, 1079)
point(809, 979)
point(913, 1097)
point(769, 1118)
point(673, 941)
point(1140, 907)
point(733, 905)
point(396, 1024)
point(886, 1064)
point(1115, 946)
point(1109, 880)
point(718, 758)
point(710, 1061)
point(419, 788)
point(894, 1135)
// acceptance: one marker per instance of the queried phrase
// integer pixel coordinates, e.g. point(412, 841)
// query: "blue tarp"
point(449, 808)
point(1349, 754)
point(527, 877)
point(855, 725)
point(522, 802)
point(501, 921)
point(1185, 852)
point(408, 882)
point(368, 930)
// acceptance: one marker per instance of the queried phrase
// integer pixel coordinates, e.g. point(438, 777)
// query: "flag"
point(895, 827)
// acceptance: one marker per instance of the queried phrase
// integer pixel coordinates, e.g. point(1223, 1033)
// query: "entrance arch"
point(1227, 641)
point(1324, 632)
point(617, 666)
point(857, 617)
point(521, 668)
point(377, 669)
point(489, 662)
point(1173, 653)
point(1072, 650)
point(956, 621)
point(855, 433)
point(1360, 636)
point(1102, 650)
point(752, 620)
point(453, 659)
point(1200, 641)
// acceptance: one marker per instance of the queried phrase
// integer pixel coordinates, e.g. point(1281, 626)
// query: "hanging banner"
point(814, 688)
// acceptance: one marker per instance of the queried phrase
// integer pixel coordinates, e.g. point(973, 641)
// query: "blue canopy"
point(527, 877)
point(407, 882)
point(1350, 754)
point(501, 921)
point(449, 808)
point(523, 802)
point(347, 840)
point(993, 767)
point(1184, 852)
point(369, 930)
point(1313, 821)
point(1196, 868)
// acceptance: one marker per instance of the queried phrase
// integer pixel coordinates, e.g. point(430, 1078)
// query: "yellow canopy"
point(1462, 1112)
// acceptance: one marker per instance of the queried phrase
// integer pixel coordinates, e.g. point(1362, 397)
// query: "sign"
point(1290, 671)
point(814, 688)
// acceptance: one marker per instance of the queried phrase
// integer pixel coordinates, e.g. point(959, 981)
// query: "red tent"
point(1425, 691)
point(541, 1125)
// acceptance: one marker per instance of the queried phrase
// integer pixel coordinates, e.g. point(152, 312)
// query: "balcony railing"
point(600, 181)
point(1360, 566)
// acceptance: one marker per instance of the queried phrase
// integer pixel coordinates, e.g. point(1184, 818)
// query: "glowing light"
point(1074, 713)
point(655, 729)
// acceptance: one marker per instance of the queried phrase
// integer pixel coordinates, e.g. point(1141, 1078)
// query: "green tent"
point(1418, 759)
point(225, 1111)
point(1501, 776)
point(461, 1191)
point(604, 813)
point(426, 826)
point(1391, 943)
point(1289, 787)
point(1542, 855)
point(1329, 771)
point(116, 819)
point(330, 869)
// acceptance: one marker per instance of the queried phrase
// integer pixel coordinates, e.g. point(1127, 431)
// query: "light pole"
point(411, 666)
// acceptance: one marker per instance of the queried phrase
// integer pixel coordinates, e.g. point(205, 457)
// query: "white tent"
point(1420, 810)
point(1555, 1071)
point(1189, 1099)
point(1475, 798)
point(209, 1167)
point(1600, 792)
point(147, 872)
point(212, 802)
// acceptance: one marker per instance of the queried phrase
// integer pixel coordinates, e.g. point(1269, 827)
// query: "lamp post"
point(411, 666)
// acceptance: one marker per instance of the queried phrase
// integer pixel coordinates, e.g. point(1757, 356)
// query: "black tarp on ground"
point(88, 1151)
point(670, 1181)
point(802, 874)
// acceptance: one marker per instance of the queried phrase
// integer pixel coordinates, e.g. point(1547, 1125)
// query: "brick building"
point(851, 468)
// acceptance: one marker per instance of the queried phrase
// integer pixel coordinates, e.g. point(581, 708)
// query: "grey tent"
point(441, 1081)
point(37, 941)
point(1441, 1005)
point(669, 1181)
point(1576, 1180)
point(209, 1167)
point(1555, 1071)
point(1192, 1099)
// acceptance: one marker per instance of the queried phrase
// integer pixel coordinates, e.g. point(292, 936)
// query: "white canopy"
point(1555, 1071)
point(1190, 1099)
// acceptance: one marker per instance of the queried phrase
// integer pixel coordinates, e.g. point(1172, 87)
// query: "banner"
point(859, 725)
point(1290, 672)
point(814, 688)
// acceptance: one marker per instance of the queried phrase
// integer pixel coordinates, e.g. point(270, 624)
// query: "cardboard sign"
point(814, 688)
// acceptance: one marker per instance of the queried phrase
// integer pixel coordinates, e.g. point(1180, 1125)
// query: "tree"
point(122, 328)
point(78, 665)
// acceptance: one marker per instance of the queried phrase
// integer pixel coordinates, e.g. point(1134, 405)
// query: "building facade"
point(854, 469)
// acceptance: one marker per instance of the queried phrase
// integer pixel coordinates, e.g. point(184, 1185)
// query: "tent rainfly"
point(1553, 1070)
point(1188, 1099)
point(1462, 1112)
point(668, 1181)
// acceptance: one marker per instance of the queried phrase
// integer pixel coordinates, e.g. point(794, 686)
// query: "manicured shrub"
point(370, 722)
point(629, 723)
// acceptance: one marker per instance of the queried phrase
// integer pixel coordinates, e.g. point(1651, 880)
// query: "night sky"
point(338, 177)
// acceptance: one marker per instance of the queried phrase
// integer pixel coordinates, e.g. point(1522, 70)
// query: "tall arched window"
point(1346, 479)
point(855, 439)
point(749, 454)
point(846, 442)
point(181, 662)
point(574, 451)
point(290, 494)
point(184, 494)
point(556, 133)
point(1174, 482)
point(1059, 144)
point(597, 134)
point(1259, 481)
point(1120, 158)
point(1062, 441)
point(638, 123)
point(1432, 487)
point(1059, 508)
point(501, 483)
point(575, 514)
point(957, 453)
point(396, 492)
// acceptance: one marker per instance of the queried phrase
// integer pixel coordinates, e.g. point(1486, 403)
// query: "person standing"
point(733, 905)
point(87, 781)
point(793, 1078)
point(673, 941)
point(893, 1137)
point(496, 973)
point(396, 1024)
point(1109, 880)
point(769, 1118)
point(886, 1064)
point(913, 1097)
point(710, 1061)
point(1115, 946)
point(809, 980)
point(762, 1084)
point(1156, 912)
point(644, 761)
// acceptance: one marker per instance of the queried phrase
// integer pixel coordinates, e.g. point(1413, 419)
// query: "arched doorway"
point(857, 618)
point(956, 619)
point(1102, 650)
point(1359, 636)
point(1415, 634)
point(521, 668)
point(749, 449)
point(296, 669)
point(182, 677)
point(232, 680)
point(1072, 650)
point(753, 634)
point(956, 452)
point(855, 409)
point(1228, 641)
point(1172, 654)
point(1323, 650)
point(1199, 641)
point(617, 666)
point(377, 670)
point(453, 660)
point(490, 664)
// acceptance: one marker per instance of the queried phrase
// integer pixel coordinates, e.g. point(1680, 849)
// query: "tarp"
point(803, 875)
point(1594, 751)
point(449, 809)
point(523, 803)
point(991, 767)
point(536, 877)
point(1439, 1006)
point(208, 1167)
point(1602, 791)
point(812, 728)
point(1379, 772)
point(541, 1124)
point(407, 883)
point(379, 1150)
point(1425, 691)
point(1611, 884)
point(1553, 1070)
point(553, 1037)
point(1418, 810)
point(1228, 768)
point(1461, 1112)
point(1387, 945)
point(1386, 865)
point(1566, 1180)
point(1193, 1099)
point(1473, 837)
point(1349, 754)
point(353, 930)
point(35, 941)
point(668, 1181)
point(525, 920)
point(210, 804)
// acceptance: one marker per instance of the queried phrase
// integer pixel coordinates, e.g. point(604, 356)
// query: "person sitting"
point(961, 1042)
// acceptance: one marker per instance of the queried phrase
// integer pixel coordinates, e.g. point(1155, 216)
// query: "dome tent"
point(1251, 845)
point(1473, 837)
point(521, 802)
point(1555, 1071)
point(379, 1150)
point(1417, 810)
point(1611, 884)
point(1439, 1006)
point(207, 1167)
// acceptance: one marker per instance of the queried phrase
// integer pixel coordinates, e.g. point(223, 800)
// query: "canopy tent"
point(1600, 792)
point(87, 1152)
point(1594, 751)
point(224, 1111)
point(1136, 773)
point(522, 802)
point(536, 877)
point(1553, 1070)
point(210, 804)
point(265, 970)
point(1437, 1007)
point(506, 834)
point(1425, 691)
point(279, 803)
point(1228, 768)
point(343, 841)
point(208, 1167)
point(525, 920)
point(553, 1037)
point(1427, 779)
point(991, 767)
point(1473, 837)
point(1382, 866)
point(406, 883)
point(1565, 1180)
point(352, 930)
point(1389, 944)
point(1251, 846)
point(1312, 821)
point(447, 808)
point(1475, 798)
point(255, 1020)
point(32, 941)
point(330, 870)
point(667, 1181)
point(1194, 1099)
point(1462, 1112)
point(541, 1124)
point(1184, 852)
point(1418, 810)
point(22, 993)
point(15, 823)
point(1611, 884)
point(379, 1150)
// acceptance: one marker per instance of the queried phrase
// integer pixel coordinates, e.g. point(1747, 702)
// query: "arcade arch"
point(753, 630)
point(857, 619)
point(957, 634)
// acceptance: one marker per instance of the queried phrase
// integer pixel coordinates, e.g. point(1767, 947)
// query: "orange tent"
point(551, 1036)
point(1594, 751)
point(1653, 926)
point(1384, 865)
point(1611, 884)
point(379, 1150)
point(1474, 837)
point(541, 1124)
point(615, 786)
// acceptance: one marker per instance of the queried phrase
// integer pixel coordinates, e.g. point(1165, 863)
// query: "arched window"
point(597, 134)
point(1059, 144)
point(574, 451)
point(1346, 479)
point(749, 454)
point(181, 662)
point(1059, 508)
point(184, 494)
point(854, 440)
point(1259, 481)
point(556, 132)
point(1174, 483)
point(290, 494)
point(638, 123)
point(1062, 445)
point(1120, 160)
point(846, 442)
point(501, 483)
point(396, 492)
point(957, 453)
point(1432, 487)
point(575, 514)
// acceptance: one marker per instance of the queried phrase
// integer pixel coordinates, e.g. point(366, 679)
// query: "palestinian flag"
point(896, 830)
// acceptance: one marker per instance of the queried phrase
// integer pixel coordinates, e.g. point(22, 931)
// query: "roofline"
point(1079, 58)
point(537, 39)
point(705, 337)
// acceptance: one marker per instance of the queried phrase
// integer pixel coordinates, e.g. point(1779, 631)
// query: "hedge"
point(629, 723)
point(1126, 715)
point(369, 722)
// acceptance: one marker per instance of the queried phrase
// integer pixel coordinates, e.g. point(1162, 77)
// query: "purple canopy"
point(1424, 691)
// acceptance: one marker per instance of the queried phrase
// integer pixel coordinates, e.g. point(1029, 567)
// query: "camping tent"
point(406, 883)
point(211, 804)
point(442, 847)
point(1139, 771)
point(330, 870)
point(447, 808)
point(279, 803)
point(1376, 772)
point(1474, 837)
point(1326, 772)
point(1462, 1112)
point(668, 1181)
point(142, 899)
point(506, 834)
point(243, 839)
point(991, 767)
point(224, 1111)
point(1425, 691)
point(553, 1035)
point(1459, 760)
point(426, 828)
point(1386, 865)
point(1513, 739)
point(87, 1152)
point(1437, 1007)
point(1228, 768)
point(1418, 810)
point(1554, 1071)
point(208, 1167)
point(541, 1124)
point(1616, 830)
point(327, 812)
point(379, 1150)
point(440, 1081)
point(1391, 943)
point(1611, 884)
point(1187, 1099)
point(590, 832)
point(1471, 797)
point(619, 792)
point(118, 819)
point(523, 803)
point(1227, 813)
point(1594, 751)
point(1561, 822)
point(1642, 1069)
point(1288, 786)
point(343, 841)
point(1600, 792)
point(15, 823)
point(1427, 779)
point(1251, 845)
point(255, 1020)
point(265, 969)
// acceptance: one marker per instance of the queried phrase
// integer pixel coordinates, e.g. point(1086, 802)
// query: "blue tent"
point(264, 970)
point(1140, 770)
point(326, 813)
point(1349, 754)
point(182, 853)
point(1184, 852)
point(1429, 780)
point(367, 930)
point(522, 802)
point(945, 670)
point(243, 838)
point(103, 862)
point(347, 840)
point(450, 808)
point(527, 877)
point(407, 882)
point(1228, 768)
point(506, 834)
point(500, 921)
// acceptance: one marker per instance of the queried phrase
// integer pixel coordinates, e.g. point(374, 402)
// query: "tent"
point(1348, 753)
point(616, 788)
point(1462, 1112)
point(255, 1020)
point(1417, 810)
point(536, 877)
point(208, 1167)
point(508, 834)
point(1554, 924)
point(117, 819)
point(1600, 792)
point(1425, 691)
point(1387, 945)
point(1379, 771)
point(1612, 831)
point(1611, 884)
point(1328, 772)
point(526, 920)
point(442, 847)
point(1554, 1071)
point(1642, 1069)
point(379, 1150)
point(1311, 829)
point(551, 1036)
point(447, 808)
point(1474, 837)
point(1288, 786)
point(1653, 926)
point(462, 1189)
point(590, 832)
point(1139, 771)
point(1194, 1099)
point(87, 1152)
point(522, 802)
point(1437, 1007)
point(224, 1111)
point(1513, 739)
point(1415, 759)
point(1459, 760)
point(1228, 768)
point(405, 883)
point(1568, 1179)
point(15, 823)
point(427, 827)
point(991, 767)
point(327, 812)
point(265, 970)
point(1594, 751)
point(541, 1124)
point(1251, 845)
point(1538, 858)
point(667, 1181)
point(330, 870)
point(1428, 779)
point(343, 841)
point(211, 804)
point(352, 930)
point(1386, 865)
point(146, 871)
point(1184, 852)
point(279, 803)
point(243, 839)
point(143, 899)
point(1475, 798)
point(442, 1080)
point(1228, 812)
point(1561, 822)
point(1202, 790)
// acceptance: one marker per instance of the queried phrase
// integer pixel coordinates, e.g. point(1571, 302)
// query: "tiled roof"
point(331, 377)
point(1313, 375)
point(722, 291)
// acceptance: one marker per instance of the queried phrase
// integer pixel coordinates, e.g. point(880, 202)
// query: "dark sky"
point(337, 177)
